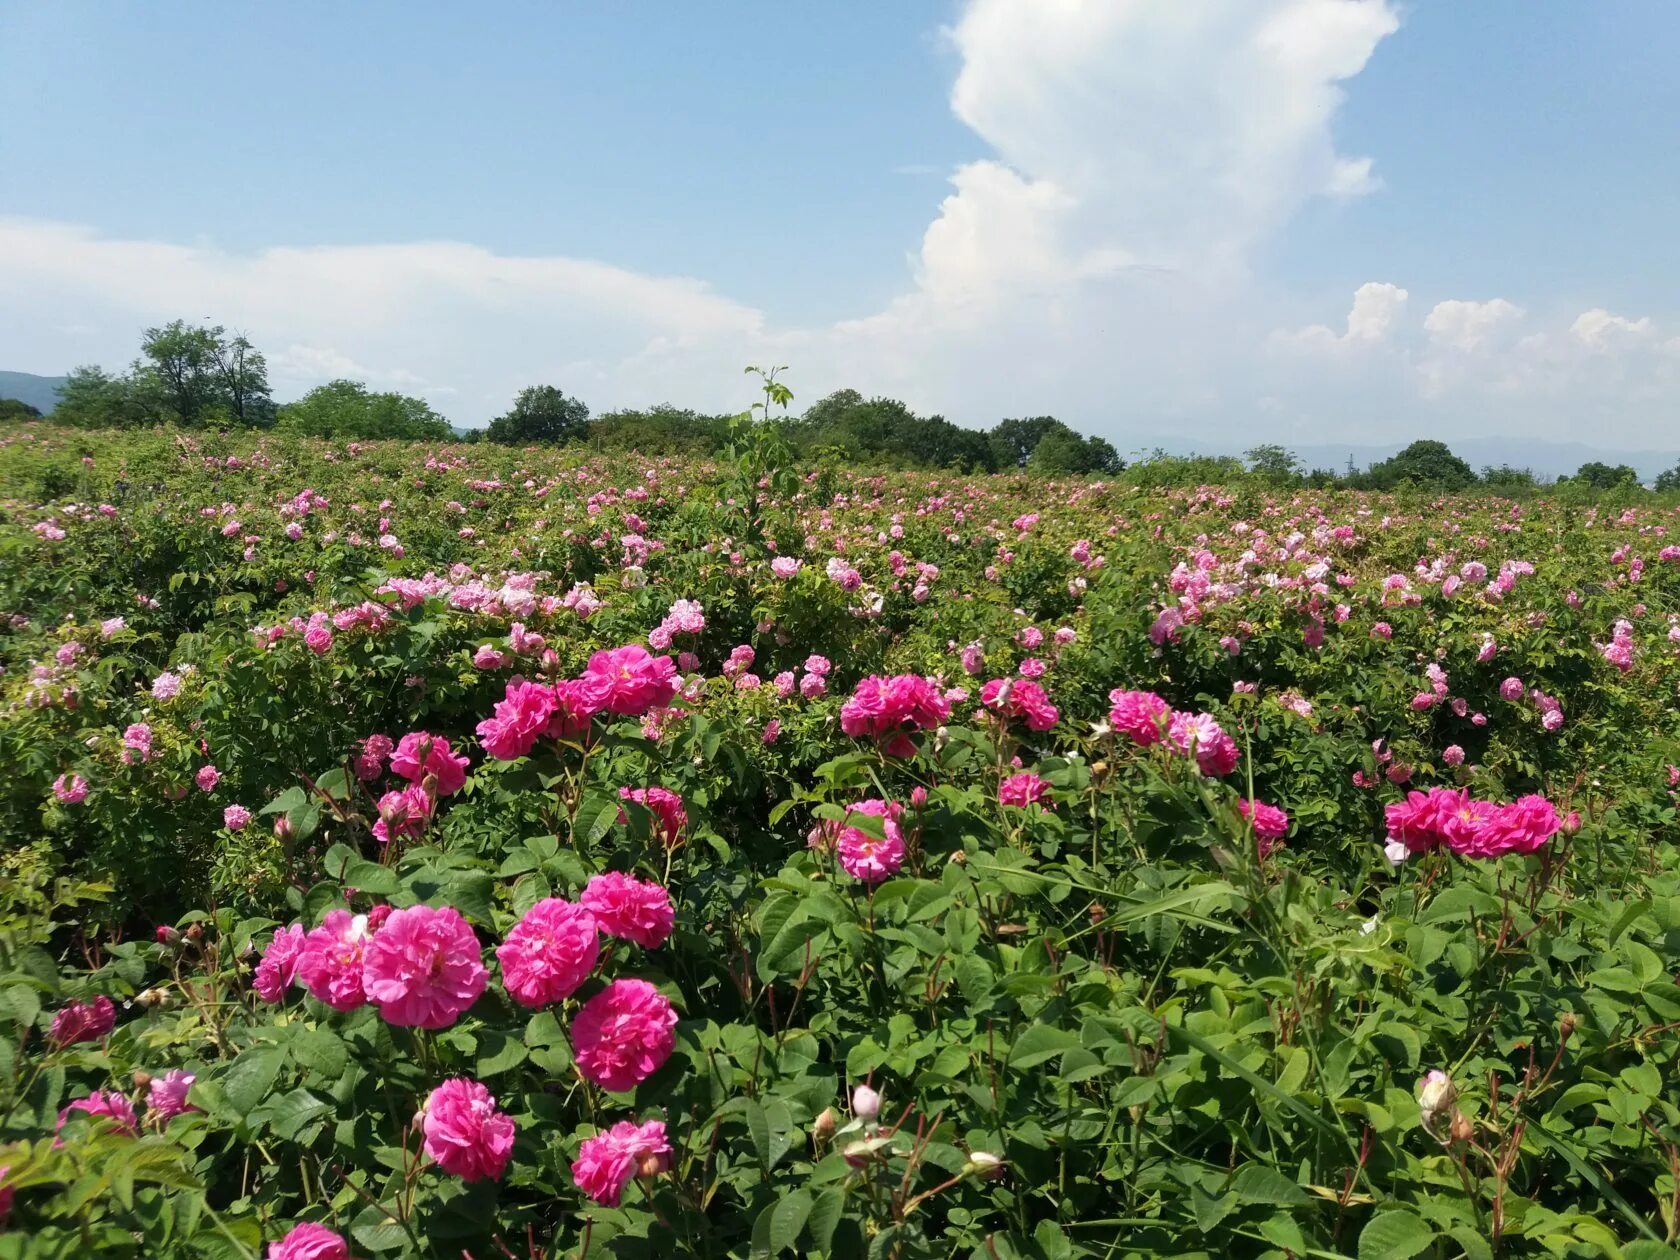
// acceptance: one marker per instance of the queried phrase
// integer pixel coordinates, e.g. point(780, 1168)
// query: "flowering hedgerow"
point(485, 852)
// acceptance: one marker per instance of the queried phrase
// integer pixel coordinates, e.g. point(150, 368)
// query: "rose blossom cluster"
point(625, 681)
point(1146, 719)
point(889, 710)
point(1450, 818)
point(1020, 700)
point(866, 857)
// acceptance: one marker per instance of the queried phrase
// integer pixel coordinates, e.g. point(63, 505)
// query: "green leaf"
point(1256, 1183)
point(1394, 1236)
point(825, 1214)
point(787, 1218)
point(594, 818)
point(497, 1052)
point(251, 1077)
point(321, 1050)
point(371, 878)
point(1041, 1042)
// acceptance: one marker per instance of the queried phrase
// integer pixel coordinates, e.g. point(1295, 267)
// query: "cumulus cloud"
point(1467, 326)
point(1376, 307)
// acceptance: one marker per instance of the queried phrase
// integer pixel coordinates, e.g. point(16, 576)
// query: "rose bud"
point(866, 1103)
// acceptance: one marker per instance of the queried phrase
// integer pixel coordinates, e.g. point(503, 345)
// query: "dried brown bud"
point(141, 1079)
point(1460, 1130)
point(1566, 1025)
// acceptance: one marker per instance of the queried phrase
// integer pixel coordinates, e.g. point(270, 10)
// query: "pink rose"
point(309, 1242)
point(549, 953)
point(623, 1035)
point(464, 1133)
point(423, 968)
point(630, 909)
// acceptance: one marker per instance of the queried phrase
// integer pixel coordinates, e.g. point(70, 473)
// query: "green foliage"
point(1602, 476)
point(542, 414)
point(1427, 464)
point(346, 409)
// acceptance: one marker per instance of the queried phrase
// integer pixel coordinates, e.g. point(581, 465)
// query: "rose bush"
point(640, 858)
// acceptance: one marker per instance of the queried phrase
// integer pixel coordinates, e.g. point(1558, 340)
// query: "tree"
point(17, 409)
point(541, 413)
point(183, 361)
point(1669, 479)
point(244, 380)
point(93, 398)
point(1425, 463)
point(345, 409)
point(1506, 477)
point(1273, 463)
point(1602, 476)
point(1016, 440)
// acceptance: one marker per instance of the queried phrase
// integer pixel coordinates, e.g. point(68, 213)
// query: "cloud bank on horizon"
point(1098, 265)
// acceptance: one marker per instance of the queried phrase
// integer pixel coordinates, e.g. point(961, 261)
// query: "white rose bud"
point(866, 1103)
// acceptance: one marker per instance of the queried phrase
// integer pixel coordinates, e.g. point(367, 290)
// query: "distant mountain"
point(1544, 459)
point(40, 392)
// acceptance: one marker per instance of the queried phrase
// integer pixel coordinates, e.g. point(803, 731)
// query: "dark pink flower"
point(630, 909)
point(623, 1035)
point(83, 1021)
point(1140, 715)
point(607, 1162)
point(419, 754)
point(1022, 789)
point(279, 965)
point(888, 710)
point(635, 681)
point(330, 962)
point(423, 967)
point(549, 953)
point(465, 1135)
point(309, 1241)
point(667, 808)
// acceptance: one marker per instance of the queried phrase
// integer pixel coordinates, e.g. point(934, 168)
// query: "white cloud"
point(1597, 329)
point(1376, 307)
point(1467, 326)
point(1096, 264)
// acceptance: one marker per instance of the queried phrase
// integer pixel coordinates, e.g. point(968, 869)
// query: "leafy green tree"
point(1016, 440)
point(1506, 477)
point(93, 398)
point(1669, 479)
point(183, 361)
point(17, 409)
point(345, 409)
point(543, 414)
point(661, 428)
point(1602, 476)
point(243, 374)
point(1273, 463)
point(1425, 463)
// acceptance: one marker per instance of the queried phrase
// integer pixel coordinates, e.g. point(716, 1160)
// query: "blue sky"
point(1149, 219)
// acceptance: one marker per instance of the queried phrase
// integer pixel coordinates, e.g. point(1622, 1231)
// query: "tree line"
point(203, 377)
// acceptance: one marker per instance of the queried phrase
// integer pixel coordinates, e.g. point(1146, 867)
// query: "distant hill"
point(40, 392)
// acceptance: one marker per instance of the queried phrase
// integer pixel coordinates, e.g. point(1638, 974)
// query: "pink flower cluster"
point(1020, 699)
point(670, 818)
point(1270, 824)
point(1470, 828)
point(626, 681)
point(464, 1133)
point(1146, 719)
point(420, 966)
point(888, 710)
point(1022, 789)
point(865, 857)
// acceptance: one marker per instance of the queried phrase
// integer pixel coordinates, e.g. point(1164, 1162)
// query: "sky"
point(1206, 221)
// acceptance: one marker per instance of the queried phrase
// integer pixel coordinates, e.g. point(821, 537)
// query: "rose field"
point(416, 849)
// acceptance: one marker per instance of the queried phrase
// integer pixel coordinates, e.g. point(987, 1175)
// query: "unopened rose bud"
point(195, 933)
point(652, 1165)
point(147, 998)
point(984, 1164)
point(282, 828)
point(822, 1128)
point(1572, 823)
point(918, 798)
point(866, 1103)
point(167, 935)
point(1566, 1026)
